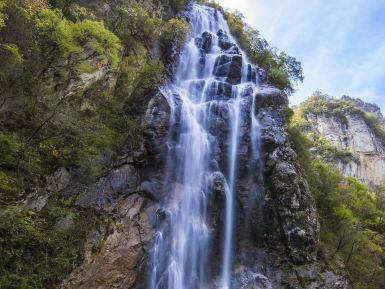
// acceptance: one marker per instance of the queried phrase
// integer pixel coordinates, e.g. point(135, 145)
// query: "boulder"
point(207, 41)
point(224, 40)
point(229, 67)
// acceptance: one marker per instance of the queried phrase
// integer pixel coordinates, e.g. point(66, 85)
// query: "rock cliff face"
point(279, 249)
point(351, 131)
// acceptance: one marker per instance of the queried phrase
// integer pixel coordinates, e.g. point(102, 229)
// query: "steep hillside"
point(95, 132)
point(330, 137)
point(349, 133)
point(75, 79)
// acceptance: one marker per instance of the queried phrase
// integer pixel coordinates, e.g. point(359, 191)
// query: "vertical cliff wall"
point(275, 230)
point(355, 129)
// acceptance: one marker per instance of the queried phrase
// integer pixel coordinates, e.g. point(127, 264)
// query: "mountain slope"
point(349, 132)
point(84, 135)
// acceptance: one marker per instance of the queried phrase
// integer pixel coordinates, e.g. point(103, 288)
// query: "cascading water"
point(211, 100)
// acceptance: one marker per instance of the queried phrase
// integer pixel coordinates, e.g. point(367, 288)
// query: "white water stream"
point(182, 257)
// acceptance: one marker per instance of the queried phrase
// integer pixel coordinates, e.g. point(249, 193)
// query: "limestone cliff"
point(355, 129)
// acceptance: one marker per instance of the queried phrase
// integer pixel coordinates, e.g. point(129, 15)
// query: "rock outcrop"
point(115, 257)
point(278, 249)
point(357, 131)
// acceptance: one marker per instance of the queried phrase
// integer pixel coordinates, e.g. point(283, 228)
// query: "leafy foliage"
point(2, 15)
point(176, 5)
point(44, 46)
point(352, 217)
point(9, 147)
point(36, 251)
point(69, 37)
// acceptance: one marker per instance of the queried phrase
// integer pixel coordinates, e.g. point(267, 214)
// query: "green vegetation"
point(46, 46)
point(73, 37)
point(352, 217)
point(2, 15)
point(176, 5)
point(38, 249)
point(320, 103)
point(283, 71)
point(42, 127)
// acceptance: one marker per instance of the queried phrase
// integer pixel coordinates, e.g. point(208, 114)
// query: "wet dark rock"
point(262, 75)
point(262, 268)
point(153, 186)
point(207, 41)
point(250, 280)
point(156, 125)
point(268, 96)
point(218, 90)
point(229, 67)
point(224, 40)
point(272, 132)
point(295, 206)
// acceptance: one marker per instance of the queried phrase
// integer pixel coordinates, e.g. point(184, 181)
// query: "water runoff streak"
point(211, 100)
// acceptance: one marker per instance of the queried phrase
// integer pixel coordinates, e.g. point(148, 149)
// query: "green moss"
point(3, 17)
point(8, 188)
point(84, 67)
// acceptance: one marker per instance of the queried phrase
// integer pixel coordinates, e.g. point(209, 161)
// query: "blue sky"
point(341, 43)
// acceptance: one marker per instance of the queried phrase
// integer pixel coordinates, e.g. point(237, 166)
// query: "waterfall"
point(212, 113)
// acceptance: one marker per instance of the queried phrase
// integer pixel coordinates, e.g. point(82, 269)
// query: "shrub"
point(176, 5)
point(3, 17)
point(352, 217)
point(174, 31)
point(320, 103)
point(73, 37)
point(136, 25)
point(35, 252)
point(9, 150)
